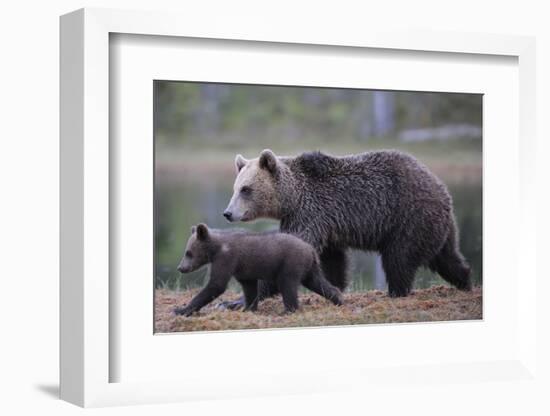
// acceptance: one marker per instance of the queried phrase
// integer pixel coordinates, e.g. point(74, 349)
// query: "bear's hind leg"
point(451, 266)
point(334, 262)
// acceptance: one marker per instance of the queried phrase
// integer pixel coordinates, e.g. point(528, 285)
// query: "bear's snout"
point(228, 215)
point(183, 269)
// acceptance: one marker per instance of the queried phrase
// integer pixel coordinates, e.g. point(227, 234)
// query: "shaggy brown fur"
point(384, 201)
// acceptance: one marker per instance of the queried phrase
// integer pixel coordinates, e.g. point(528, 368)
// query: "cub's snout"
point(183, 269)
point(228, 216)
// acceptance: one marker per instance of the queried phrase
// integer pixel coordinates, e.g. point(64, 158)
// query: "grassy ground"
point(438, 303)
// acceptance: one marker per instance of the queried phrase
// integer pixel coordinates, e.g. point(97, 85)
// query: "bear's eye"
point(246, 190)
point(188, 254)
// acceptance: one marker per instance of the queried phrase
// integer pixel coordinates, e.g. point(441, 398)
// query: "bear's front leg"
point(334, 262)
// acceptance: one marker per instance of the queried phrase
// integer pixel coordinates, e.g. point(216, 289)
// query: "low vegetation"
point(438, 303)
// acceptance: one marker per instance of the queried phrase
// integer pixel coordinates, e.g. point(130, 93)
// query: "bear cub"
point(279, 258)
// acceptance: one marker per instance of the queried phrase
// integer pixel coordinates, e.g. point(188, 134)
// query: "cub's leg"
point(266, 289)
point(250, 290)
point(219, 278)
point(315, 281)
point(204, 297)
point(288, 286)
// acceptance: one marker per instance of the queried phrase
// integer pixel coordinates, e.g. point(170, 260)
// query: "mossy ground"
point(438, 303)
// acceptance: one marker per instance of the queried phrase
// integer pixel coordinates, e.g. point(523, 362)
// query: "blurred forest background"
point(199, 127)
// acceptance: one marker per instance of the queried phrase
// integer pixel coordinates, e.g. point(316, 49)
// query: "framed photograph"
point(233, 198)
point(419, 220)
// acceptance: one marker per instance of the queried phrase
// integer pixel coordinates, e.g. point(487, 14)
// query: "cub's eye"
point(188, 254)
point(246, 190)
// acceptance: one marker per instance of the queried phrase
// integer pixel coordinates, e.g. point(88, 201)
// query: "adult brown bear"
point(384, 201)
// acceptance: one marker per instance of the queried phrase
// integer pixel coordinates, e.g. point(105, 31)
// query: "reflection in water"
point(183, 201)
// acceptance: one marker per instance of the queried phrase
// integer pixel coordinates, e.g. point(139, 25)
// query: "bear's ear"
point(268, 161)
point(240, 162)
point(202, 232)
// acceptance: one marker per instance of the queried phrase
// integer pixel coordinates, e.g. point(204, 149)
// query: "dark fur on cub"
point(281, 259)
point(383, 201)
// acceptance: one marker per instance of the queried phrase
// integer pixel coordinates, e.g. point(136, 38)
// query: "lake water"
point(183, 200)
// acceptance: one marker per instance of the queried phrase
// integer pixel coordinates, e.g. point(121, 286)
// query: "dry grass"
point(438, 303)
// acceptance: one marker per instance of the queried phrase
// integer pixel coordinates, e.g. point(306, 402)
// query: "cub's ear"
point(268, 161)
point(202, 232)
point(240, 162)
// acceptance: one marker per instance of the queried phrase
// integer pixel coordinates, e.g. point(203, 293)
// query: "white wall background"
point(29, 208)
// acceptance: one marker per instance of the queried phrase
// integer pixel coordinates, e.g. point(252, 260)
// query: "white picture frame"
point(86, 354)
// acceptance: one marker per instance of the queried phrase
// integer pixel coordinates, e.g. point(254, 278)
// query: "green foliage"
point(233, 114)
